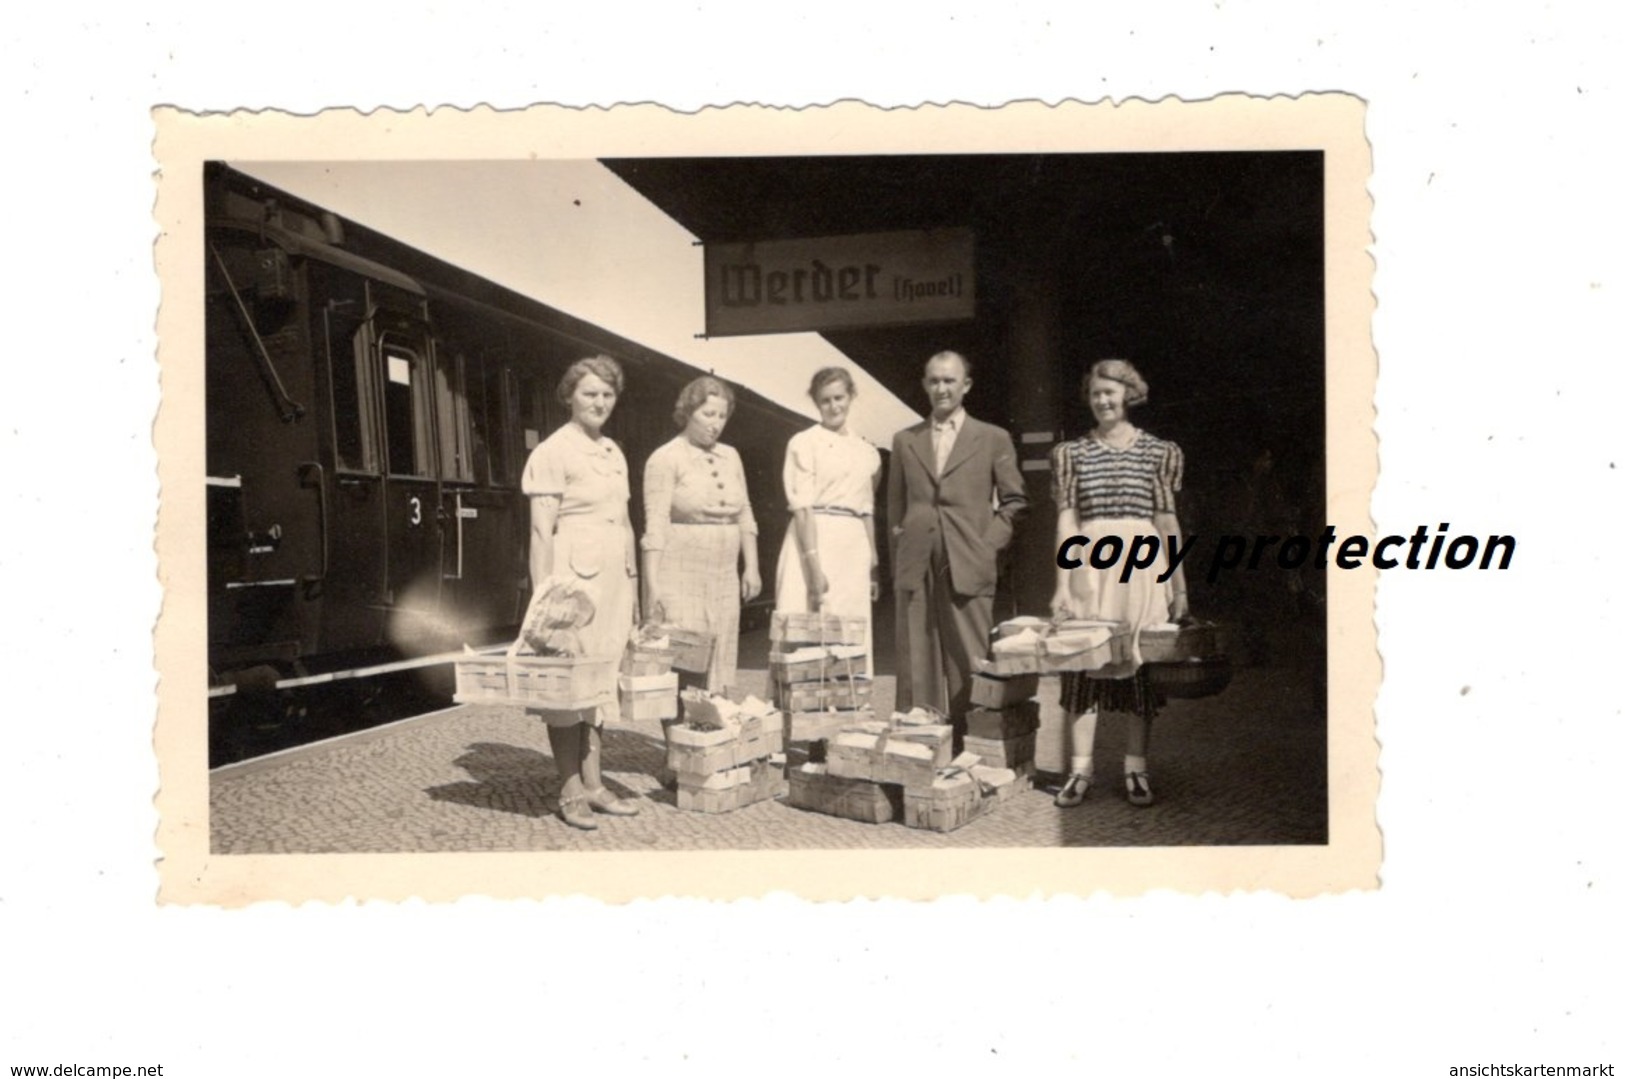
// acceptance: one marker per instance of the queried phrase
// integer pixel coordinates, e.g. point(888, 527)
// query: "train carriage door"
point(478, 590)
point(352, 503)
point(403, 358)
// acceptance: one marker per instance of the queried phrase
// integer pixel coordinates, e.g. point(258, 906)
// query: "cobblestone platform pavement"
point(1245, 767)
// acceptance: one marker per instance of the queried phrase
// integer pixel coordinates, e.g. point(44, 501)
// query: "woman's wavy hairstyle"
point(696, 393)
point(602, 366)
point(826, 375)
point(1118, 371)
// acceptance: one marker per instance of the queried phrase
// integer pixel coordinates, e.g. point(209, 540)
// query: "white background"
point(1498, 251)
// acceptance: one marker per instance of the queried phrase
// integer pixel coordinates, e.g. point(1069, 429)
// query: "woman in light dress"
point(577, 481)
point(829, 561)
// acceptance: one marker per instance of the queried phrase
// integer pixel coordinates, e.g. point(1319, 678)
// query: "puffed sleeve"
point(747, 517)
point(544, 471)
point(800, 473)
point(1063, 486)
point(659, 481)
point(1170, 477)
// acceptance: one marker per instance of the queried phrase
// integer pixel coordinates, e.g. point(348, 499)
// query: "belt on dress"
point(586, 521)
point(840, 511)
point(726, 521)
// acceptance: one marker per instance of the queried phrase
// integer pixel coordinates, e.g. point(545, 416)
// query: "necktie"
point(942, 443)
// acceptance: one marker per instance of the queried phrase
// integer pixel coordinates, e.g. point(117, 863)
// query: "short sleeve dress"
point(591, 537)
point(697, 513)
point(832, 475)
point(1115, 493)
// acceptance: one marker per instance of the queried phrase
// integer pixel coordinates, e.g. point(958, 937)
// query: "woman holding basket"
point(699, 527)
point(1120, 481)
point(829, 560)
point(577, 481)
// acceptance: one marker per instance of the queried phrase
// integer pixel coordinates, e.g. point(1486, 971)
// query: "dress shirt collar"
point(952, 423)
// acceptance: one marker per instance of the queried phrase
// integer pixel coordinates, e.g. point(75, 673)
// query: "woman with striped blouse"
point(1115, 481)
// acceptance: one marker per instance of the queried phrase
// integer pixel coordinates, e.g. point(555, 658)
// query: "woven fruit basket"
point(1176, 643)
point(817, 628)
point(1191, 678)
point(690, 648)
point(558, 682)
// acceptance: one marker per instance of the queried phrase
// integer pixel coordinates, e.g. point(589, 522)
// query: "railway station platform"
point(1245, 767)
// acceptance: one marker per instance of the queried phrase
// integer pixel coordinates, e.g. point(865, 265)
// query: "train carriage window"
point(487, 409)
point(408, 406)
point(533, 398)
point(355, 406)
point(451, 403)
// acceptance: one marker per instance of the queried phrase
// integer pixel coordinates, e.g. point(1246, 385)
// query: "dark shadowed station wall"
point(1204, 269)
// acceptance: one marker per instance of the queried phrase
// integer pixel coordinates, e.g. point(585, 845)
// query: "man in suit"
point(952, 498)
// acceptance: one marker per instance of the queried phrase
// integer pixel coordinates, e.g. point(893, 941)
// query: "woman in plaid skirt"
point(698, 527)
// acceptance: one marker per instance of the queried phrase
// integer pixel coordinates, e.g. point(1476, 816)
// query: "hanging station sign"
point(840, 282)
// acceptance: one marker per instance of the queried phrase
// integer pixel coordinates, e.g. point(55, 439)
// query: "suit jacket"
point(960, 504)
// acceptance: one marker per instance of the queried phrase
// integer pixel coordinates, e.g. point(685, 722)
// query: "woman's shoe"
point(605, 802)
point(577, 813)
point(1139, 788)
point(1077, 786)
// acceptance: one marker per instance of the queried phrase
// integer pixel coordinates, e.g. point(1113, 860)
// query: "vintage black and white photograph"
point(963, 539)
point(919, 500)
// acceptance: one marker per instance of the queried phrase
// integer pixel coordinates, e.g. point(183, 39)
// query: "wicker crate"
point(1073, 645)
point(846, 695)
point(691, 649)
point(817, 628)
point(798, 696)
point(1042, 661)
point(812, 788)
point(1021, 624)
point(1017, 753)
point(846, 662)
point(549, 682)
point(706, 752)
point(950, 801)
point(1011, 722)
point(820, 726)
point(642, 661)
point(732, 789)
point(810, 664)
point(887, 753)
point(994, 691)
point(839, 695)
point(1191, 679)
point(649, 696)
point(797, 666)
point(1169, 643)
point(1003, 784)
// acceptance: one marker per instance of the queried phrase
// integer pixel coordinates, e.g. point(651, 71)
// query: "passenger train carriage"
point(369, 412)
